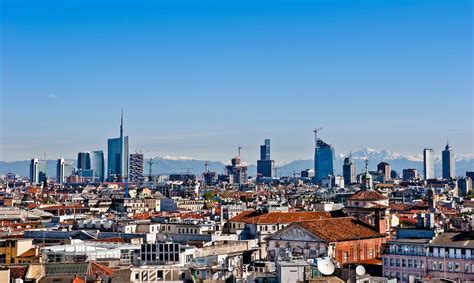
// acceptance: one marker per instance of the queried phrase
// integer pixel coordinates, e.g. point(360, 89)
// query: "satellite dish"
point(360, 270)
point(230, 268)
point(325, 266)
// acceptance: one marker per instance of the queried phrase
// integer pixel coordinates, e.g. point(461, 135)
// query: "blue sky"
point(199, 78)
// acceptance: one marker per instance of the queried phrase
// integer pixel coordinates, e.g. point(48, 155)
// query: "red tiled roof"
point(367, 195)
point(340, 229)
point(77, 279)
point(253, 217)
point(29, 253)
point(96, 268)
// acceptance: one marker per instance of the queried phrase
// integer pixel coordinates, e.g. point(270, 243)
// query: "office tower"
point(265, 150)
point(265, 166)
point(118, 162)
point(90, 164)
point(464, 186)
point(237, 171)
point(410, 174)
point(393, 174)
point(136, 167)
point(349, 171)
point(384, 168)
point(307, 173)
point(34, 172)
point(470, 174)
point(448, 162)
point(323, 160)
point(97, 165)
point(84, 168)
point(60, 173)
point(428, 164)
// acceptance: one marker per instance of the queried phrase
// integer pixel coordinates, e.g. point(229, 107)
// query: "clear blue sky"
point(199, 78)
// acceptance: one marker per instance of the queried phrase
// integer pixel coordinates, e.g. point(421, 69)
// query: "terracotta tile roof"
point(96, 268)
point(340, 229)
point(77, 279)
point(29, 253)
point(367, 195)
point(18, 271)
point(399, 206)
point(253, 217)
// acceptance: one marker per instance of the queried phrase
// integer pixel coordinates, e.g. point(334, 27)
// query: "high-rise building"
point(37, 171)
point(60, 171)
point(90, 165)
point(118, 162)
point(464, 186)
point(448, 162)
point(97, 165)
point(349, 171)
point(265, 166)
point(34, 172)
point(428, 164)
point(323, 160)
point(384, 168)
point(237, 171)
point(136, 167)
point(410, 174)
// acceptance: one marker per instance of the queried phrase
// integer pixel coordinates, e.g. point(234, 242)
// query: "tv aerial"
point(325, 266)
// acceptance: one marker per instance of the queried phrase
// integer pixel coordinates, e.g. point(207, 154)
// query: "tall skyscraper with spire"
point(448, 162)
point(118, 161)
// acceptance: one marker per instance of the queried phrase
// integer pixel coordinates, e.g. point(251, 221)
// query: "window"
point(416, 263)
point(440, 266)
point(450, 266)
point(434, 266)
point(467, 268)
point(410, 263)
point(346, 257)
point(392, 262)
point(404, 262)
point(397, 262)
point(385, 261)
point(457, 267)
point(371, 253)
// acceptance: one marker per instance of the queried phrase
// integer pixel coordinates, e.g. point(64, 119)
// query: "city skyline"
point(196, 81)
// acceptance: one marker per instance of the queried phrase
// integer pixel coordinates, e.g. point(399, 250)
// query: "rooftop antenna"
point(239, 149)
point(315, 131)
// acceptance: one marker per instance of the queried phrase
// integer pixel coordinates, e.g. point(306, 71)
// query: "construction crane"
point(315, 131)
point(150, 162)
point(239, 149)
point(206, 166)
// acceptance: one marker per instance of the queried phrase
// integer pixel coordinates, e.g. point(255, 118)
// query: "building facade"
point(428, 164)
point(323, 160)
point(136, 167)
point(448, 162)
point(60, 174)
point(118, 157)
point(349, 171)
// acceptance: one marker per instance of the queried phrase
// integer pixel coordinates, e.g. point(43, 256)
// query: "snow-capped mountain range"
point(172, 164)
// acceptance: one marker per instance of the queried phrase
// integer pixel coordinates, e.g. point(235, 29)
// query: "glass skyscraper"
point(118, 160)
point(448, 162)
point(323, 160)
point(265, 166)
point(90, 164)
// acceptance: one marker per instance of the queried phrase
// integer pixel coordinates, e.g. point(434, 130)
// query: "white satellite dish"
point(360, 270)
point(325, 266)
